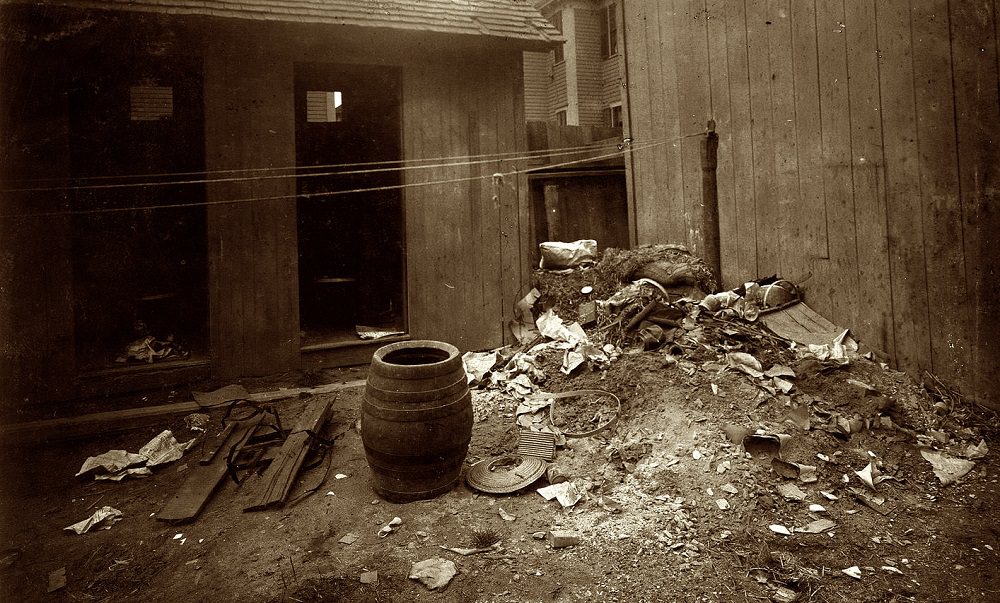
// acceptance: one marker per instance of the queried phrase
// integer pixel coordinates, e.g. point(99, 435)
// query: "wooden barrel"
point(416, 419)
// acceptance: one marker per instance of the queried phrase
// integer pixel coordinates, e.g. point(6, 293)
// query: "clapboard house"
point(254, 179)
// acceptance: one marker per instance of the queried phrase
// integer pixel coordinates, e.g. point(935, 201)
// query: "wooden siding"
point(588, 66)
point(557, 89)
point(537, 70)
point(858, 153)
point(468, 251)
point(37, 359)
point(253, 246)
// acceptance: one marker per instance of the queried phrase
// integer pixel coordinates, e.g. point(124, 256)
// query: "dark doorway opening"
point(139, 245)
point(351, 244)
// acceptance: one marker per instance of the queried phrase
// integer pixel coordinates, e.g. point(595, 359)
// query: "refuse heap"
point(780, 434)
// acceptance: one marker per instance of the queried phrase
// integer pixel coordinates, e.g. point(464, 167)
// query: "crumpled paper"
point(477, 364)
point(947, 468)
point(565, 492)
point(117, 464)
point(550, 325)
point(164, 448)
point(103, 518)
point(111, 461)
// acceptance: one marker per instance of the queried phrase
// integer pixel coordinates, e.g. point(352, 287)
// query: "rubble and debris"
point(197, 421)
point(817, 527)
point(371, 333)
point(103, 518)
point(434, 573)
point(557, 255)
point(390, 527)
point(349, 538)
point(57, 580)
point(149, 349)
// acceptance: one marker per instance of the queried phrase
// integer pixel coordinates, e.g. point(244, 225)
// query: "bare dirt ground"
point(672, 510)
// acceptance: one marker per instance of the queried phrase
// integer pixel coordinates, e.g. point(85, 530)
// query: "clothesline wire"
point(626, 148)
point(269, 173)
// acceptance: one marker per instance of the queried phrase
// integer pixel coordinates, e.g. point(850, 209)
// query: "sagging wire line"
point(283, 176)
point(454, 161)
point(632, 147)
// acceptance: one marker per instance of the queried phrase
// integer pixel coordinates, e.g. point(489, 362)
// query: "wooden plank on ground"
point(801, 324)
point(202, 480)
point(273, 486)
point(132, 418)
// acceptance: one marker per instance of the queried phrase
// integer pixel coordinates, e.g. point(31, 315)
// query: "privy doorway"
point(351, 244)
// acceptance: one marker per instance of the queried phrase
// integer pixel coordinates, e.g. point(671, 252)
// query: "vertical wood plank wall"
point(467, 236)
point(858, 151)
point(252, 246)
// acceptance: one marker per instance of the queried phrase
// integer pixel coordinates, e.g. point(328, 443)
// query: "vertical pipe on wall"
point(710, 201)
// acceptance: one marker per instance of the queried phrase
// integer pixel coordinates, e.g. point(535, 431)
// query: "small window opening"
point(324, 107)
point(609, 31)
point(151, 103)
point(557, 55)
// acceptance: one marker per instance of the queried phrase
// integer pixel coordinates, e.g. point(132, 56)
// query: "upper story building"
point(581, 83)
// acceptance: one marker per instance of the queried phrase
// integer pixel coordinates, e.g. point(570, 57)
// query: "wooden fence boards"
point(867, 169)
point(977, 112)
point(739, 97)
point(786, 168)
point(905, 230)
point(839, 279)
point(718, 58)
point(694, 108)
point(810, 215)
point(666, 198)
point(858, 145)
point(761, 136)
point(941, 203)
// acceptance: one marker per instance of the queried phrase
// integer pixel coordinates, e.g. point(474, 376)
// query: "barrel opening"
point(416, 356)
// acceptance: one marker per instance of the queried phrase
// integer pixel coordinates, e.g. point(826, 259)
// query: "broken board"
point(801, 324)
point(273, 486)
point(201, 483)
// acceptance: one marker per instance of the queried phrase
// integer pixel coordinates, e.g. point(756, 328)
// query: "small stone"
point(369, 578)
point(434, 573)
point(559, 539)
point(538, 535)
